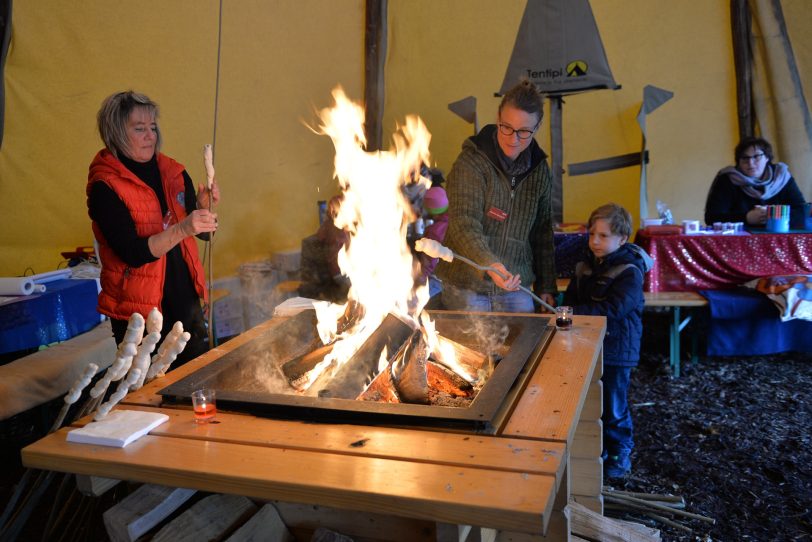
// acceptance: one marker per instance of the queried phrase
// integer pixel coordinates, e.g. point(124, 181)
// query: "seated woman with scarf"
point(741, 193)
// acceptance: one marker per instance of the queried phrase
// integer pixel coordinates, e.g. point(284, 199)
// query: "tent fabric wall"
point(279, 61)
point(441, 52)
point(62, 62)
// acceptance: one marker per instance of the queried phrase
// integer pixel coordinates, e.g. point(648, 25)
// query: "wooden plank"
point(592, 526)
point(303, 519)
point(264, 525)
point(593, 404)
point(563, 373)
point(142, 510)
point(587, 476)
point(588, 441)
point(674, 299)
point(597, 374)
point(483, 451)
point(212, 518)
point(500, 499)
point(594, 503)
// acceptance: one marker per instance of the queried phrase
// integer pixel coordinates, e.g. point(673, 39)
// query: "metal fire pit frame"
point(527, 340)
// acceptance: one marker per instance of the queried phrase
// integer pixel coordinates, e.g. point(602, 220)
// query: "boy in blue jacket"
point(610, 283)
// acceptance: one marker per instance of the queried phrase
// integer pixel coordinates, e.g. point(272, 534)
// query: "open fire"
point(380, 347)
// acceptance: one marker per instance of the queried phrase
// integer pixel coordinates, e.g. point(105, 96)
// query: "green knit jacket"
point(522, 242)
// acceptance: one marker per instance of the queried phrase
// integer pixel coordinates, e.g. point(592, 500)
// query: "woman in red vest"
point(145, 215)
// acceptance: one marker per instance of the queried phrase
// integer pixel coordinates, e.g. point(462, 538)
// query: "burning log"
point(350, 378)
point(409, 372)
point(297, 370)
point(381, 390)
point(353, 313)
point(473, 366)
point(411, 378)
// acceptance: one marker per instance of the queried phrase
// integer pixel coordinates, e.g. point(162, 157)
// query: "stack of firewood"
point(665, 509)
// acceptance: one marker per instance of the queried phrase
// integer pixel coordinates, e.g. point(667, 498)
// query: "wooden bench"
point(674, 302)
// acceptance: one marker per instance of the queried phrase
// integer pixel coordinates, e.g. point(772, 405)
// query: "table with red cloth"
point(715, 262)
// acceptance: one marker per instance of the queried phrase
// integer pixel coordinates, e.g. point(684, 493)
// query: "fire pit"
point(378, 358)
point(260, 376)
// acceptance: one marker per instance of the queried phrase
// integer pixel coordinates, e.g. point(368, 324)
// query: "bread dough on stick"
point(208, 163)
point(433, 249)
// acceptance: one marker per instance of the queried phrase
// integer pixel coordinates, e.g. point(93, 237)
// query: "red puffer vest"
point(125, 289)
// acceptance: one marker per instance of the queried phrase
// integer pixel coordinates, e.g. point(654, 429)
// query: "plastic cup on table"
point(777, 218)
point(204, 404)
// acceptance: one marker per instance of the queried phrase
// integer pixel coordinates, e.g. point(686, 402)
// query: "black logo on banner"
point(577, 68)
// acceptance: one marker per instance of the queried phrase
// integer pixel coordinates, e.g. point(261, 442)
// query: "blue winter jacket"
point(613, 288)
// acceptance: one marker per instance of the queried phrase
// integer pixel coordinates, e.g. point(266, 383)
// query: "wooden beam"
point(5, 40)
point(375, 59)
point(742, 56)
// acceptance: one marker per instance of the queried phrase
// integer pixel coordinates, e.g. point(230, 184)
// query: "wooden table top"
point(505, 481)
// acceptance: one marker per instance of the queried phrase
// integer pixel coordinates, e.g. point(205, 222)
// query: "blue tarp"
point(66, 309)
point(746, 323)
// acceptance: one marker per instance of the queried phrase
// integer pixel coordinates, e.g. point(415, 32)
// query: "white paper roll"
point(51, 276)
point(16, 286)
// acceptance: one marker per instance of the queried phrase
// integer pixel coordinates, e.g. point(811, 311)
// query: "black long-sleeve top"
point(729, 203)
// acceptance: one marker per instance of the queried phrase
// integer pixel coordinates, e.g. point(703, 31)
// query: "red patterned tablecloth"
point(712, 262)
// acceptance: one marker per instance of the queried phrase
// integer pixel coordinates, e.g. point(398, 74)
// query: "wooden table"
point(517, 482)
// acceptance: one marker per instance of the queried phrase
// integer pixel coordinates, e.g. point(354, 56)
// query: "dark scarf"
point(513, 168)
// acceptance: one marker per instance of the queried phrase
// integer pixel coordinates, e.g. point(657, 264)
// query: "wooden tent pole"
point(375, 57)
point(742, 55)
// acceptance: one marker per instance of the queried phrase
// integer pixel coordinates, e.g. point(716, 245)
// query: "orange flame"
point(376, 212)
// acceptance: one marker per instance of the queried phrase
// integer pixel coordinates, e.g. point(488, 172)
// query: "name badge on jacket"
point(497, 214)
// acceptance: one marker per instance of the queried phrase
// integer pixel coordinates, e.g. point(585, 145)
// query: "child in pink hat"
point(435, 203)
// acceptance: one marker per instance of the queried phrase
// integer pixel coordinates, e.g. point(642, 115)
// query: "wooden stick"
point(647, 496)
point(669, 522)
point(642, 504)
point(677, 500)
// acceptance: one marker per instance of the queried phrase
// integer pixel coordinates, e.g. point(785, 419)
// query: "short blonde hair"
point(619, 219)
point(113, 115)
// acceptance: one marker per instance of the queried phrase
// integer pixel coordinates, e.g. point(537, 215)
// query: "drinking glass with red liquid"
point(204, 404)
point(563, 317)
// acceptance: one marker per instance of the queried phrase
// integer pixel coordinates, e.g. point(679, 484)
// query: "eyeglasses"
point(521, 134)
point(755, 158)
